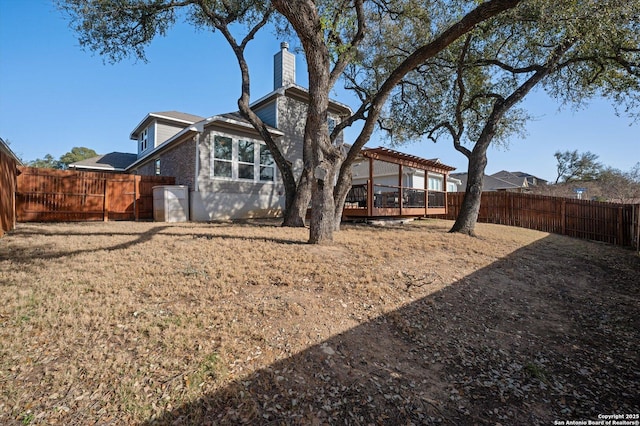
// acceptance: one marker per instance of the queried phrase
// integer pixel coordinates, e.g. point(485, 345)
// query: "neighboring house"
point(116, 162)
point(489, 183)
point(502, 181)
point(521, 179)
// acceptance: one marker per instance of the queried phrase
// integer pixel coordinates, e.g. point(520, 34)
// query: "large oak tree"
point(469, 93)
point(330, 33)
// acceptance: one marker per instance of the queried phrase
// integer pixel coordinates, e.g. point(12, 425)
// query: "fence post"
point(136, 182)
point(105, 202)
point(637, 207)
point(563, 216)
point(619, 232)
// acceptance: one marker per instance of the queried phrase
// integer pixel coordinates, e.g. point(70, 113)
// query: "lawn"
point(155, 323)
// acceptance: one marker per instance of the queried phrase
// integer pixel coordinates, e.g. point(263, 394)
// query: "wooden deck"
point(378, 198)
point(393, 202)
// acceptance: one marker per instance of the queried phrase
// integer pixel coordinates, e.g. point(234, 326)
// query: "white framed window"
point(435, 182)
point(267, 165)
point(144, 138)
point(157, 166)
point(331, 122)
point(246, 160)
point(241, 159)
point(222, 157)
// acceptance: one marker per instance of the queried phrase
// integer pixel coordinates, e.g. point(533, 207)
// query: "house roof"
point(4, 147)
point(300, 92)
point(518, 178)
point(114, 161)
point(177, 117)
point(397, 157)
point(489, 183)
point(230, 119)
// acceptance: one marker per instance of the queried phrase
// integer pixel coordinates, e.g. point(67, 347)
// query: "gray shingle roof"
point(179, 116)
point(115, 161)
point(489, 183)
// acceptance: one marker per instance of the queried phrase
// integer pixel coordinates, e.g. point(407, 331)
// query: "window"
point(242, 159)
point(157, 166)
point(143, 139)
point(267, 168)
point(246, 160)
point(331, 122)
point(435, 182)
point(222, 156)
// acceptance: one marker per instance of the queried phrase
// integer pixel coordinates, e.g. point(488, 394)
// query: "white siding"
point(415, 181)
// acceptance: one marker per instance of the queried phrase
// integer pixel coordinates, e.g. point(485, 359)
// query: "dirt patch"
point(245, 323)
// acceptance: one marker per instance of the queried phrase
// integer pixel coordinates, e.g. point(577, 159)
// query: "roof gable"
point(175, 117)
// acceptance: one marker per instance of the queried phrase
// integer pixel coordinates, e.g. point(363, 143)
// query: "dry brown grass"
point(127, 322)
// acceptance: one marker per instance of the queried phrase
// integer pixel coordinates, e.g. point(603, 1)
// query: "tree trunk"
point(294, 215)
point(322, 224)
point(340, 195)
point(466, 221)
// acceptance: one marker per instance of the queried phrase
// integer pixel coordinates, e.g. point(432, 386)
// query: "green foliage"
point(586, 48)
point(119, 29)
point(574, 166)
point(48, 162)
point(76, 154)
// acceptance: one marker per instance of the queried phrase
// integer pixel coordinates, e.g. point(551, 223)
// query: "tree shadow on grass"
point(538, 336)
point(32, 253)
point(29, 254)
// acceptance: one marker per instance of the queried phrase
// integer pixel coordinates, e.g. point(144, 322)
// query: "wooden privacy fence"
point(593, 220)
point(8, 164)
point(46, 195)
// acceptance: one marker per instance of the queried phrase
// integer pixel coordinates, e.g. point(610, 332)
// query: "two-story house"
point(222, 159)
point(231, 174)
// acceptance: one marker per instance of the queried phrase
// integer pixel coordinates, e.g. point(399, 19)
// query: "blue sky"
point(54, 96)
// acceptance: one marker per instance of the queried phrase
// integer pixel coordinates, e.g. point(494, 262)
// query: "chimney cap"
point(284, 45)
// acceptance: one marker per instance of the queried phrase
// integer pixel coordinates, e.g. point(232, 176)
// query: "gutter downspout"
point(196, 184)
point(197, 165)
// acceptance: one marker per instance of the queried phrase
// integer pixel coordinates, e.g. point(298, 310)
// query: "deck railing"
point(389, 198)
point(437, 198)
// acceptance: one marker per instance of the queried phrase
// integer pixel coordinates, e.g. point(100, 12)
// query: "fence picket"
point(46, 195)
point(593, 220)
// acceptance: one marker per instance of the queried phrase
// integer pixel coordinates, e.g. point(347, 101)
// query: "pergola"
point(389, 193)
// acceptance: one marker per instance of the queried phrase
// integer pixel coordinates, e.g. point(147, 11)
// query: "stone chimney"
point(284, 67)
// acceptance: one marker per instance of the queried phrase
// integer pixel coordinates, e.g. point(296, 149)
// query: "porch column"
point(370, 189)
point(426, 191)
point(400, 190)
point(446, 196)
